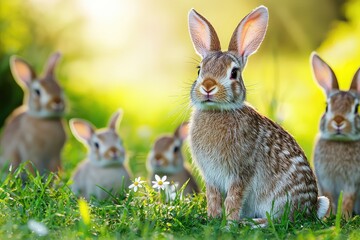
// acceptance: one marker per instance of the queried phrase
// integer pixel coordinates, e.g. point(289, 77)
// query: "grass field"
point(45, 208)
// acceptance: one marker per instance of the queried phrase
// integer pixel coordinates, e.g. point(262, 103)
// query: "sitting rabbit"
point(337, 149)
point(35, 131)
point(166, 158)
point(243, 156)
point(104, 167)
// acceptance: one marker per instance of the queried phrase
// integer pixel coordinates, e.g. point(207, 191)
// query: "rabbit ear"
point(202, 34)
point(355, 84)
point(51, 64)
point(22, 71)
point(81, 129)
point(182, 131)
point(250, 32)
point(115, 119)
point(323, 74)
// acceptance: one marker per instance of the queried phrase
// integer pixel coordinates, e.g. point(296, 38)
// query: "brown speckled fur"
point(248, 144)
point(247, 158)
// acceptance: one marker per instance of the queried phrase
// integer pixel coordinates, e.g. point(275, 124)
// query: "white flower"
point(136, 184)
point(38, 228)
point(171, 192)
point(160, 182)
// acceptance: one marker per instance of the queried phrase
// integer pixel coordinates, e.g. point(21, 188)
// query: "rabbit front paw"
point(213, 202)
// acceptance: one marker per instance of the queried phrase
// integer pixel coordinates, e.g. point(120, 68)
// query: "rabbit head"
point(341, 120)
point(219, 84)
point(43, 95)
point(105, 146)
point(165, 156)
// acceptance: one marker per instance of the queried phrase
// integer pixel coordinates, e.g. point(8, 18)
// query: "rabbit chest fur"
point(243, 146)
point(337, 166)
point(38, 140)
point(89, 179)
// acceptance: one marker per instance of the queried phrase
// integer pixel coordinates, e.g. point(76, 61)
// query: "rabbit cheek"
point(35, 104)
point(238, 91)
point(357, 124)
point(176, 161)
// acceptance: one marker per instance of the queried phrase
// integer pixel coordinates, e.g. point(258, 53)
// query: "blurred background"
point(137, 55)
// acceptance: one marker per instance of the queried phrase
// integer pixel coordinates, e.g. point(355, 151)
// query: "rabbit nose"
point(113, 153)
point(339, 122)
point(57, 100)
point(158, 156)
point(208, 87)
point(57, 104)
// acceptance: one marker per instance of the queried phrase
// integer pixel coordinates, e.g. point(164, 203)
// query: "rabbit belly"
point(253, 207)
point(94, 179)
point(357, 204)
point(37, 140)
point(337, 167)
point(41, 142)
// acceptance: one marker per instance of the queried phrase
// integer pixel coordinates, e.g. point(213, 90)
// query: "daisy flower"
point(160, 183)
point(136, 184)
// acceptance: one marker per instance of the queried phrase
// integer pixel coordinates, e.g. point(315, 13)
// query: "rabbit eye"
point(234, 73)
point(198, 70)
point(96, 144)
point(356, 108)
point(176, 149)
point(326, 107)
point(37, 92)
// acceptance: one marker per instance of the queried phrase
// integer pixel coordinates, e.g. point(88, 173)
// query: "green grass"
point(134, 215)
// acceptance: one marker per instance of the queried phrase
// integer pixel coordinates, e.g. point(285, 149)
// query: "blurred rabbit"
point(35, 131)
point(337, 149)
point(247, 158)
point(104, 167)
point(165, 158)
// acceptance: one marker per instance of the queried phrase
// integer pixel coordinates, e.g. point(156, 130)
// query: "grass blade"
point(338, 214)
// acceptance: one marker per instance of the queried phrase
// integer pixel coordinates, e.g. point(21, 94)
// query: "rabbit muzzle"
point(159, 160)
point(56, 105)
point(114, 154)
point(339, 125)
point(209, 87)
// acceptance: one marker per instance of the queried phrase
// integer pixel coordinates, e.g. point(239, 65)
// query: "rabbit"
point(166, 158)
point(35, 130)
point(336, 152)
point(104, 167)
point(250, 160)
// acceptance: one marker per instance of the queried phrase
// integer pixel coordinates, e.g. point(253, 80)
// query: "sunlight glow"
point(109, 21)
